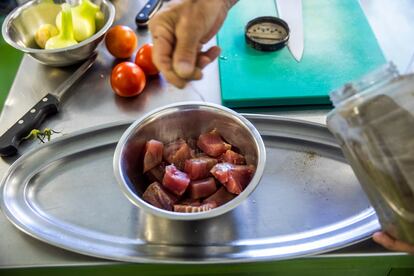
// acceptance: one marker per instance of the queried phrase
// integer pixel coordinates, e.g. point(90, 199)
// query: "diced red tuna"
point(153, 154)
point(221, 197)
point(211, 162)
point(192, 143)
point(194, 209)
point(202, 188)
point(212, 144)
point(195, 151)
point(233, 157)
point(156, 195)
point(190, 202)
point(199, 168)
point(156, 173)
point(175, 180)
point(234, 177)
point(177, 152)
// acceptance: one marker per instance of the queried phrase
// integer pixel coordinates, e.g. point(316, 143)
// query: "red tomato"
point(127, 79)
point(144, 60)
point(121, 41)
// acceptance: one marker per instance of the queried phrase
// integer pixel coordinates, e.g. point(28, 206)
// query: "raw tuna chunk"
point(156, 195)
point(153, 154)
point(175, 180)
point(192, 143)
point(193, 209)
point(233, 157)
point(220, 197)
point(234, 177)
point(177, 152)
point(212, 144)
point(156, 173)
point(199, 168)
point(202, 188)
point(190, 202)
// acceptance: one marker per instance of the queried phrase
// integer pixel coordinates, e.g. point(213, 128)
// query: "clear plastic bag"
point(373, 121)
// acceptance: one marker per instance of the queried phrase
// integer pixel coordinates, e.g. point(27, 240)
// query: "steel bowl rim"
point(139, 202)
point(18, 10)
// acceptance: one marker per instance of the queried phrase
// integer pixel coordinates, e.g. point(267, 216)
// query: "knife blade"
point(291, 12)
point(47, 106)
point(145, 14)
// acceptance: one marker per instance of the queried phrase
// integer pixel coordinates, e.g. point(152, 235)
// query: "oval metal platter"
point(308, 202)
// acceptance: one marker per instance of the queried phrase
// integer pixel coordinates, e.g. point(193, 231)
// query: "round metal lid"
point(267, 33)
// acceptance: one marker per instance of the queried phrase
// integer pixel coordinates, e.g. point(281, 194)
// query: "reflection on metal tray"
point(308, 202)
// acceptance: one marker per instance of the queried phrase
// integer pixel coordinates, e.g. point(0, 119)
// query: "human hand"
point(392, 244)
point(179, 31)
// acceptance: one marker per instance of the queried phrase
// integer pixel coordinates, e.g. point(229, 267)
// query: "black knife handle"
point(10, 140)
point(145, 14)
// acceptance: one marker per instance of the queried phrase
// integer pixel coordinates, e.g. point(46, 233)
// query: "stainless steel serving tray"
point(308, 202)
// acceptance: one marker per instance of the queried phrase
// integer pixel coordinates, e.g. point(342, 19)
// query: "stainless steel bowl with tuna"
point(189, 161)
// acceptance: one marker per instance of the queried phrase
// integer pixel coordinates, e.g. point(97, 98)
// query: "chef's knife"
point(47, 106)
point(291, 12)
point(145, 14)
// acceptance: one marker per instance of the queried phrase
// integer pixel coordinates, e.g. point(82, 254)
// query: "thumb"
point(186, 48)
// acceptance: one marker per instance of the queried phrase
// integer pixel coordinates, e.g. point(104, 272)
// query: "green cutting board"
point(339, 47)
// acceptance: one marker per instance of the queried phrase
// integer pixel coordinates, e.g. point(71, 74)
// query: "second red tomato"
point(128, 79)
point(144, 60)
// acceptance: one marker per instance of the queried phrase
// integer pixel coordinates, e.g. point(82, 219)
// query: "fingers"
point(163, 43)
point(391, 243)
point(177, 42)
point(187, 47)
point(208, 57)
point(204, 59)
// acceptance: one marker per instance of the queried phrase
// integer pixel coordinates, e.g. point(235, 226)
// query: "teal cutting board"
point(339, 47)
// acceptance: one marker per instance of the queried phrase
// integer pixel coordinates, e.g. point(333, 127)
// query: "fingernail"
point(184, 69)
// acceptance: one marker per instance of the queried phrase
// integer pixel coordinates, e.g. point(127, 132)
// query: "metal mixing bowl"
point(185, 120)
point(21, 24)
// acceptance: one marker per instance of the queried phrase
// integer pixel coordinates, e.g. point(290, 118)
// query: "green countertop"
point(363, 266)
point(9, 63)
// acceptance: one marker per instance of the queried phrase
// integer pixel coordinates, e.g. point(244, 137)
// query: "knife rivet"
point(148, 6)
point(45, 99)
point(20, 122)
point(33, 110)
point(141, 15)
